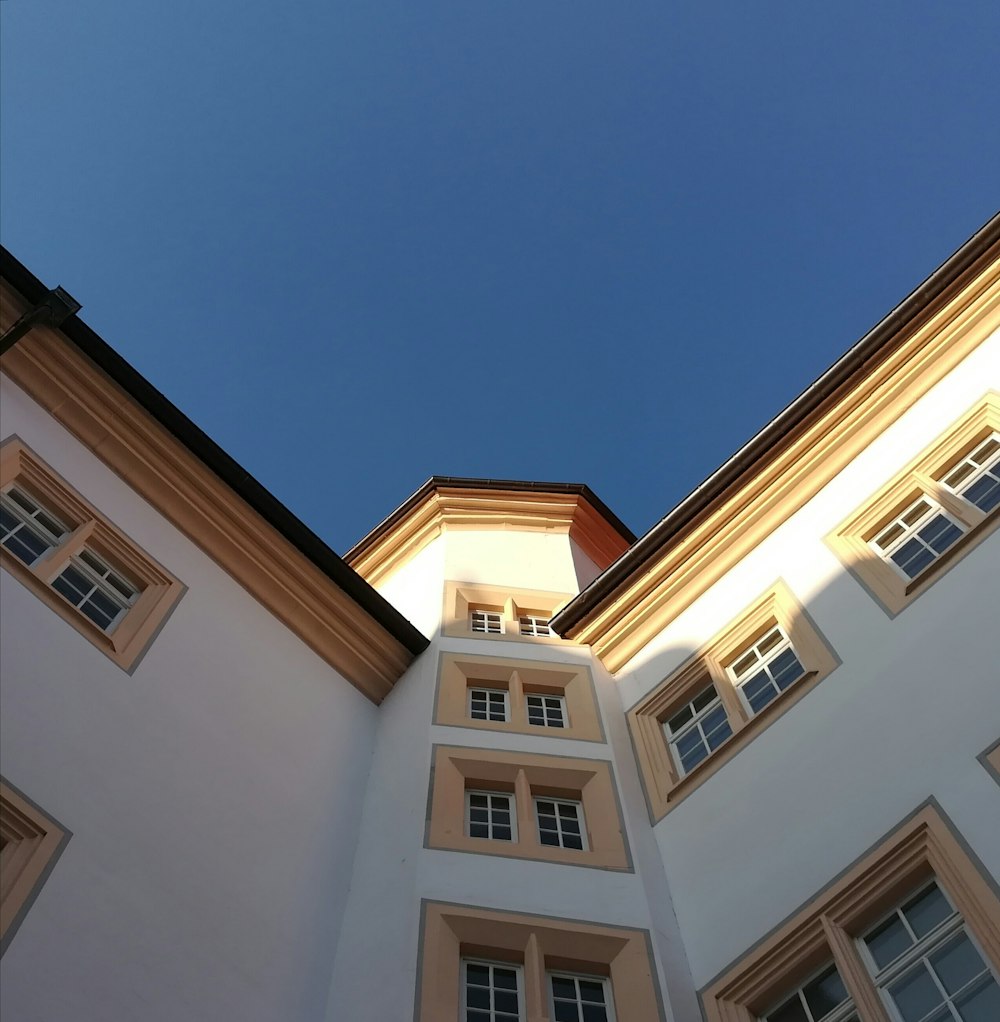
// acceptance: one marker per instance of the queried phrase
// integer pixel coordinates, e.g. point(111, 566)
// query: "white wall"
point(915, 699)
point(214, 796)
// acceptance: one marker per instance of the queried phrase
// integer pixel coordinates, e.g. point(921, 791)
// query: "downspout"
point(53, 310)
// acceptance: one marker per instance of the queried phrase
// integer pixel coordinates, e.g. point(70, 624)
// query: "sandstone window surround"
point(500, 613)
point(77, 562)
point(925, 519)
point(726, 694)
point(840, 922)
point(550, 700)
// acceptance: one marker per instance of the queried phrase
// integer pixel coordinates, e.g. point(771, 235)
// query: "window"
point(560, 969)
point(823, 999)
point(491, 992)
point(721, 698)
point(560, 823)
point(526, 806)
point(487, 621)
point(489, 814)
point(546, 711)
point(77, 562)
point(697, 729)
point(926, 965)
point(766, 669)
point(489, 704)
point(908, 933)
point(509, 615)
point(534, 626)
point(30, 843)
point(492, 693)
point(580, 998)
point(931, 514)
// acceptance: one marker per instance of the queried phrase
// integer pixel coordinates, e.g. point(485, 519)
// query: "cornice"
point(793, 472)
point(445, 507)
point(158, 467)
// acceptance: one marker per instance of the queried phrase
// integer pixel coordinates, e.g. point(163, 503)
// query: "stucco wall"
point(915, 699)
point(214, 796)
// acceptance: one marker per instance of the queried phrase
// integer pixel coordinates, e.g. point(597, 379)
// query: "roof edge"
point(744, 461)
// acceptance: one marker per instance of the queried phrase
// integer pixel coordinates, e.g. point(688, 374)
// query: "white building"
point(504, 762)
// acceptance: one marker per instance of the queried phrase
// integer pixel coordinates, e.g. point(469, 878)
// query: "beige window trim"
point(457, 769)
point(457, 673)
point(31, 842)
point(921, 848)
point(664, 786)
point(850, 541)
point(159, 590)
point(461, 598)
point(539, 944)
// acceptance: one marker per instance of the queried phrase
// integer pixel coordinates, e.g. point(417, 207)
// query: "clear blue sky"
point(364, 241)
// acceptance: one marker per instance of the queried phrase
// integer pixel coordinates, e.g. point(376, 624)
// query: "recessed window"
point(546, 711)
point(490, 814)
point(823, 999)
point(534, 626)
point(77, 562)
point(697, 729)
point(560, 823)
point(580, 998)
point(491, 992)
point(977, 476)
point(766, 669)
point(917, 537)
point(926, 965)
point(27, 530)
point(488, 622)
point(489, 704)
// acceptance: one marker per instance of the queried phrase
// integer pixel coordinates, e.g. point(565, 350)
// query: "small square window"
point(489, 704)
point(488, 622)
point(580, 998)
point(491, 992)
point(917, 537)
point(546, 711)
point(766, 669)
point(534, 627)
point(697, 729)
point(560, 823)
point(490, 814)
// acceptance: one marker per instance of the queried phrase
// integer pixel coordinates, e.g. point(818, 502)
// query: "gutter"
point(214, 458)
point(871, 346)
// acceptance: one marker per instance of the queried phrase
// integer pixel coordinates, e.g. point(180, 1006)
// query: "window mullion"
point(728, 696)
point(963, 511)
point(49, 566)
point(853, 972)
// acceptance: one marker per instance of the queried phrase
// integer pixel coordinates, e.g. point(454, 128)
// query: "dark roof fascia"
point(220, 463)
point(876, 344)
point(467, 483)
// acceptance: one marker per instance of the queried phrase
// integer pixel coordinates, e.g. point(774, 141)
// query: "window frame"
point(563, 710)
point(665, 784)
point(924, 475)
point(472, 689)
point(515, 967)
point(158, 591)
point(534, 622)
point(490, 794)
point(609, 1000)
point(695, 723)
point(489, 615)
point(581, 820)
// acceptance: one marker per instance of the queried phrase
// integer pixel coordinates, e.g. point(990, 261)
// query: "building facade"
point(504, 761)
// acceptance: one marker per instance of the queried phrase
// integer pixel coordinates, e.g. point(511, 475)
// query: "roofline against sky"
point(471, 483)
point(227, 469)
point(732, 473)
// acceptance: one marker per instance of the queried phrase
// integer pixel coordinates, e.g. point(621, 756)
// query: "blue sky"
point(362, 242)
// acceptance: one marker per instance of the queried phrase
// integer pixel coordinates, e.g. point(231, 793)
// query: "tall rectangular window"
point(546, 711)
point(917, 537)
point(926, 965)
point(491, 992)
point(489, 704)
point(490, 814)
point(560, 823)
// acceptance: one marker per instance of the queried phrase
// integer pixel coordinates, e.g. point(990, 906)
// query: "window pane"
point(786, 668)
point(927, 910)
point(981, 1004)
point(505, 1000)
point(791, 1011)
point(566, 1011)
point(824, 993)
point(505, 979)
point(913, 557)
point(915, 994)
point(888, 942)
point(562, 987)
point(595, 1013)
point(939, 533)
point(957, 963)
point(984, 493)
point(592, 991)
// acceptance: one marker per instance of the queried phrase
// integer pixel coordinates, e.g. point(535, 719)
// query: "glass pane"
point(744, 664)
point(477, 974)
point(962, 472)
point(786, 668)
point(984, 493)
point(957, 964)
point(916, 512)
point(72, 585)
point(791, 1011)
point(825, 992)
point(97, 615)
point(566, 1012)
point(502, 833)
point(595, 1013)
point(573, 841)
point(916, 994)
point(477, 1016)
point(890, 534)
point(505, 1000)
point(505, 979)
point(22, 501)
point(769, 641)
point(888, 941)
point(701, 701)
point(690, 760)
point(479, 801)
point(679, 719)
point(719, 734)
point(759, 691)
point(590, 991)
point(477, 997)
point(562, 987)
point(689, 743)
point(913, 557)
point(981, 1004)
point(940, 533)
point(25, 545)
point(547, 837)
point(927, 910)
